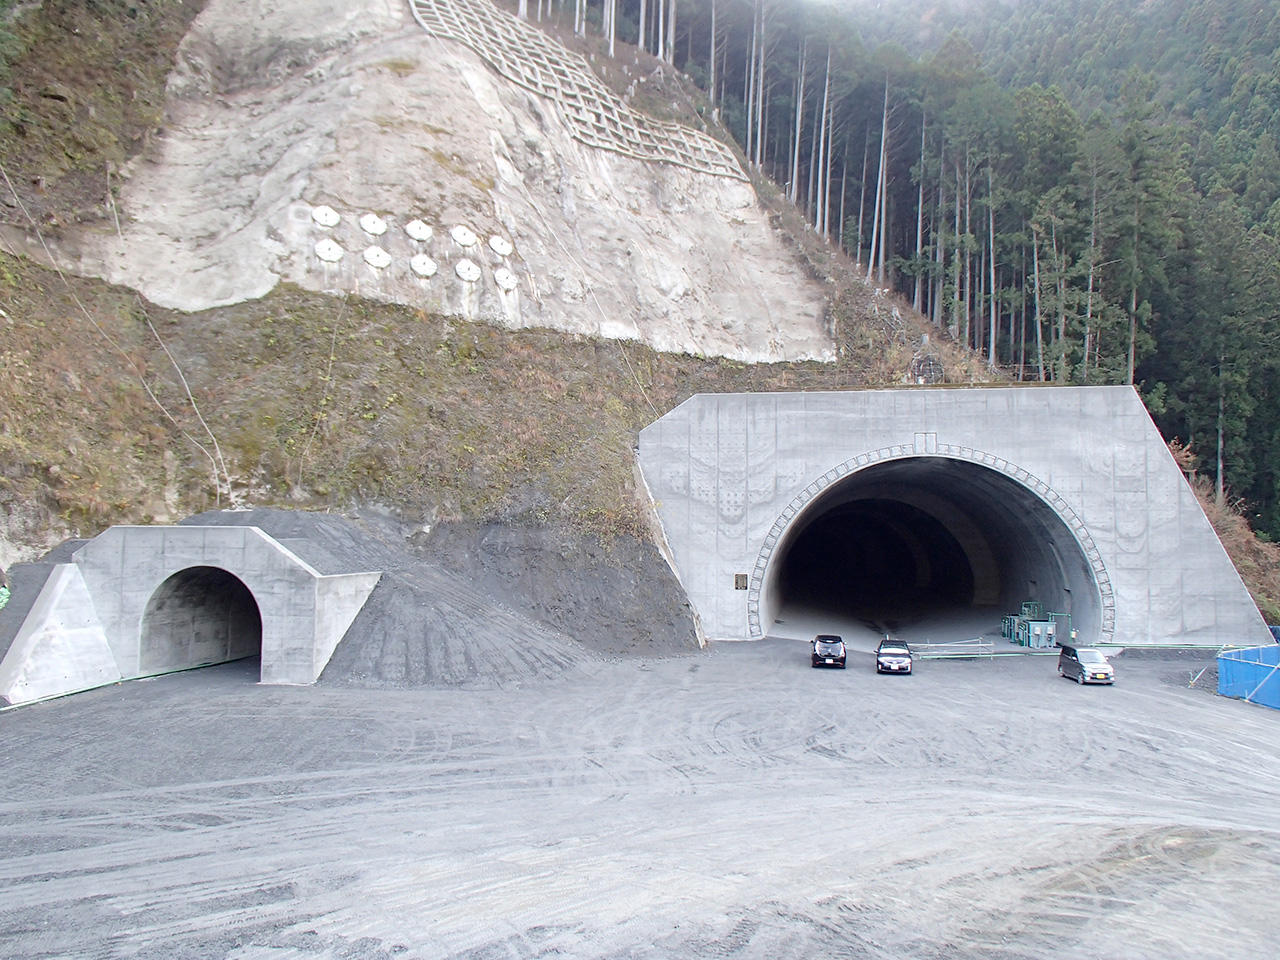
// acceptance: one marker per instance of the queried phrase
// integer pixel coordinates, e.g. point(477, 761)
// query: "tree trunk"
point(844, 183)
point(862, 195)
point(967, 318)
point(671, 35)
point(1056, 345)
point(644, 16)
point(827, 166)
point(1035, 261)
point(660, 47)
point(811, 186)
point(991, 240)
point(1093, 272)
point(1219, 487)
point(980, 296)
point(749, 95)
point(919, 257)
point(792, 193)
point(1022, 319)
point(1133, 300)
point(886, 220)
point(1062, 310)
point(956, 262)
point(877, 218)
point(819, 213)
point(711, 83)
point(939, 238)
point(760, 97)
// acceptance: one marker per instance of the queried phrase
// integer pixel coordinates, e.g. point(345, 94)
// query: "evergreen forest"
point(1083, 191)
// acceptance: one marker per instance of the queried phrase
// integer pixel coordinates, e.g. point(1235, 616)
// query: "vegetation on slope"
point(314, 402)
point(1084, 191)
point(81, 88)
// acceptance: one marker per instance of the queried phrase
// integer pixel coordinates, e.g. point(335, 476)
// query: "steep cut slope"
point(331, 143)
point(113, 409)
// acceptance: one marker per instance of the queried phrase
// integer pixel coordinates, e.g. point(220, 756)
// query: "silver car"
point(893, 656)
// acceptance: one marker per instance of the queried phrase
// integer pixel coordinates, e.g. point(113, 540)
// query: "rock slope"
point(339, 146)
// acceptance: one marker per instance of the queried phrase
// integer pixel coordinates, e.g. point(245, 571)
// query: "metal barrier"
point(1251, 674)
point(595, 115)
point(977, 647)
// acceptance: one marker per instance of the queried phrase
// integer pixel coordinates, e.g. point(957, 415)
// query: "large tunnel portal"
point(928, 548)
point(199, 616)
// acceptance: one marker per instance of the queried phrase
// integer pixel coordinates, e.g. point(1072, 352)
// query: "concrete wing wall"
point(338, 599)
point(727, 472)
point(61, 646)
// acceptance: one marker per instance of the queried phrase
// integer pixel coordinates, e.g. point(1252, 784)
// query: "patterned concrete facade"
point(1066, 490)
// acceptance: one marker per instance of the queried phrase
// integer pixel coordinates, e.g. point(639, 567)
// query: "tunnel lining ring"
point(1001, 465)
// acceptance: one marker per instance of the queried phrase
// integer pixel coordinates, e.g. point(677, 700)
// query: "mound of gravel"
point(619, 600)
point(482, 605)
point(425, 628)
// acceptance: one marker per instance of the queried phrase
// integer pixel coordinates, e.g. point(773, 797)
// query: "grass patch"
point(86, 91)
point(321, 402)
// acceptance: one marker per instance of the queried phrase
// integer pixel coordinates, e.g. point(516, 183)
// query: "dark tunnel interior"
point(928, 542)
point(904, 557)
point(200, 615)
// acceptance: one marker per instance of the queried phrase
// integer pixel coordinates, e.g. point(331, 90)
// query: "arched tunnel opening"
point(198, 617)
point(928, 549)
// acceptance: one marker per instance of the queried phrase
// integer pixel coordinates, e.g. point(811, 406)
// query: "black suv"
point(828, 651)
point(893, 656)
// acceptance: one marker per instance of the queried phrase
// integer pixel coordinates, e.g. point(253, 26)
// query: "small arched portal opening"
point(197, 617)
point(927, 548)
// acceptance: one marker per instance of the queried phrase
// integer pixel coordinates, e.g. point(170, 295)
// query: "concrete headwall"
point(1081, 467)
point(138, 601)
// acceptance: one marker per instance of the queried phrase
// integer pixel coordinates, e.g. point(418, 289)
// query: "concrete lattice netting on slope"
point(595, 115)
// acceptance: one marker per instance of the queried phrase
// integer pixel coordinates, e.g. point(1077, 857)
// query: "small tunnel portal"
point(926, 547)
point(199, 616)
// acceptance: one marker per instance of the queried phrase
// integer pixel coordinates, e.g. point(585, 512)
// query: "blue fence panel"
point(1252, 675)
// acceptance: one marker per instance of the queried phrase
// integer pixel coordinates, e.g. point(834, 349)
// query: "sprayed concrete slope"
point(340, 146)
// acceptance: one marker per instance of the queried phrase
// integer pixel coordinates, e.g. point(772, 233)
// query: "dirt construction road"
point(734, 803)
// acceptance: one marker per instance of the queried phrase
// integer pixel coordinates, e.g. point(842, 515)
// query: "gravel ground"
point(733, 803)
